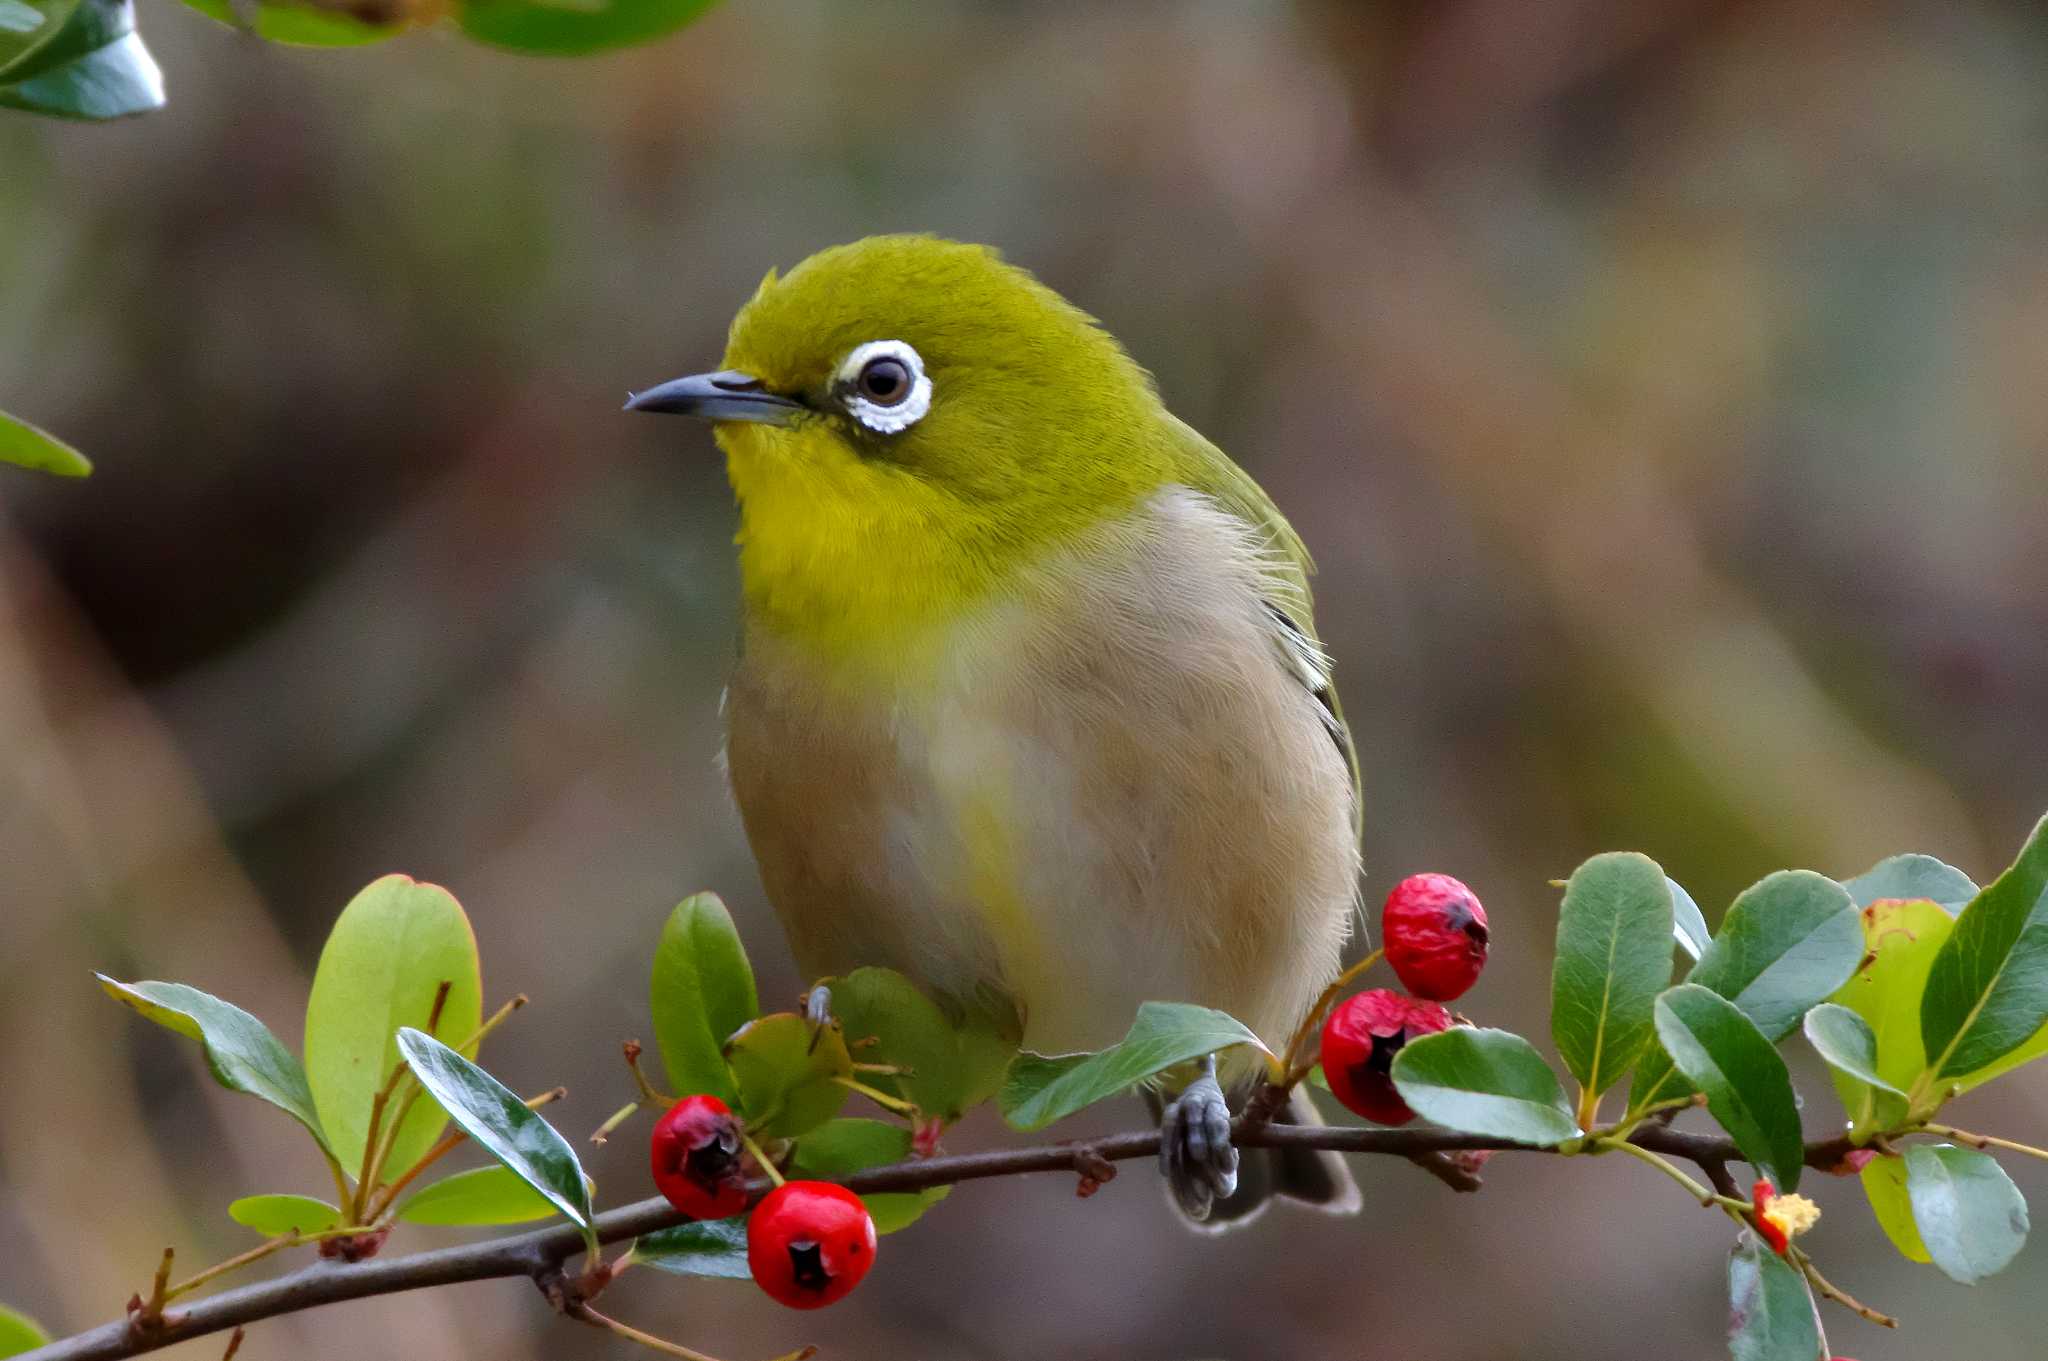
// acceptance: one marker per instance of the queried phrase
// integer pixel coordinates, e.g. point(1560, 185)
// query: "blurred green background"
point(1659, 383)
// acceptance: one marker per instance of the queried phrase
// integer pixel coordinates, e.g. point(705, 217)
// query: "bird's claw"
point(1195, 1152)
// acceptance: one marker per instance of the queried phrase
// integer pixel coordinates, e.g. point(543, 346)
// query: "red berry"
point(697, 1162)
point(1360, 1039)
point(809, 1243)
point(1435, 934)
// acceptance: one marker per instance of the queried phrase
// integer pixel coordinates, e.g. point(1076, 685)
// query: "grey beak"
point(727, 396)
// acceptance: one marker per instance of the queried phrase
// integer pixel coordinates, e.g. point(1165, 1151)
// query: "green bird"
point(1030, 704)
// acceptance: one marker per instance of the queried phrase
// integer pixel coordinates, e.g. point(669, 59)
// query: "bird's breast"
point(1103, 787)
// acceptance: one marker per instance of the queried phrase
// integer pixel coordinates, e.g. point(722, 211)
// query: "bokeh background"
point(1659, 383)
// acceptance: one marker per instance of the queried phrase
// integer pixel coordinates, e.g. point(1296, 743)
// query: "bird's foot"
point(1195, 1151)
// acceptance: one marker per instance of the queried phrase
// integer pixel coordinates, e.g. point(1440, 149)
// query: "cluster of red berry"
point(1433, 931)
point(809, 1243)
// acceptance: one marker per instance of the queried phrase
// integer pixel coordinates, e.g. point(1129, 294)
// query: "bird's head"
point(907, 421)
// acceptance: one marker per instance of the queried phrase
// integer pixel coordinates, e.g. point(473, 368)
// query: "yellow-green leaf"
point(391, 950)
point(276, 1215)
point(1884, 1186)
point(839, 1148)
point(790, 1073)
point(1900, 941)
point(29, 447)
point(19, 1333)
point(482, 1195)
point(952, 1066)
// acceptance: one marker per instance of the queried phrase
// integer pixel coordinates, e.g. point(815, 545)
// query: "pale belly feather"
point(1111, 788)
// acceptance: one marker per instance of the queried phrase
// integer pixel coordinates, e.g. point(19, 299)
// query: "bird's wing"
point(1209, 470)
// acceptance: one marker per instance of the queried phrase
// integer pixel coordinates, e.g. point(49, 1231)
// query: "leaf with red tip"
point(1770, 1311)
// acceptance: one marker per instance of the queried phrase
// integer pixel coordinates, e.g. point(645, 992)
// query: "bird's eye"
point(883, 385)
point(885, 380)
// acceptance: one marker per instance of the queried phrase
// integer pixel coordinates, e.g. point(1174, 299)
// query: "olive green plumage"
point(1030, 701)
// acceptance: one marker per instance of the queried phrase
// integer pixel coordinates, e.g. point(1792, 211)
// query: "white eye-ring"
point(883, 384)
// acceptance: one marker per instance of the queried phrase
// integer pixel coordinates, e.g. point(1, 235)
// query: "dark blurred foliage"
point(1658, 384)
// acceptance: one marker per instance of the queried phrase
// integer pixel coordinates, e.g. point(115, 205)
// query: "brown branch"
point(540, 1254)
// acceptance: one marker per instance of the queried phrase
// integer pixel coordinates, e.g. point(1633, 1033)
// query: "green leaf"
point(1748, 1089)
point(1788, 941)
point(492, 1114)
point(893, 1210)
point(1848, 1044)
point(1688, 924)
point(26, 25)
point(384, 961)
point(702, 1247)
point(482, 1195)
point(1039, 1092)
point(952, 1067)
point(240, 1050)
point(24, 444)
point(557, 29)
point(1987, 992)
point(791, 1074)
point(19, 1333)
point(1971, 1217)
point(1770, 1311)
point(273, 1216)
point(1900, 942)
point(1484, 1082)
point(302, 25)
point(93, 67)
point(701, 993)
point(840, 1148)
point(1884, 1186)
point(1910, 877)
point(1614, 936)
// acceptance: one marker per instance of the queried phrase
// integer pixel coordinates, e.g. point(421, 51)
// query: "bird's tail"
point(1306, 1176)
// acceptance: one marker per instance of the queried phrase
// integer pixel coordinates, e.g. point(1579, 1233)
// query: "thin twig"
point(1699, 1192)
point(540, 1251)
point(219, 1269)
point(1837, 1294)
point(234, 1344)
point(649, 1093)
point(1984, 1141)
point(585, 1314)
